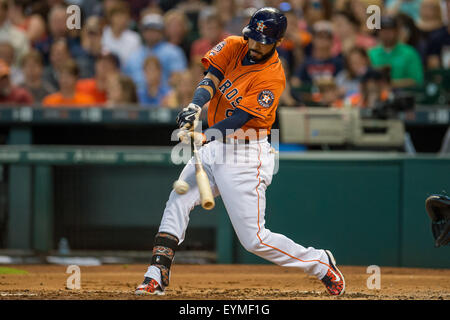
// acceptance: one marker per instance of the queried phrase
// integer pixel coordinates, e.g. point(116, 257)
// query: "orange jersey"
point(89, 87)
point(78, 100)
point(254, 88)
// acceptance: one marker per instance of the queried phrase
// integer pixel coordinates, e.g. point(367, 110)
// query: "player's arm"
point(204, 92)
point(233, 122)
point(210, 83)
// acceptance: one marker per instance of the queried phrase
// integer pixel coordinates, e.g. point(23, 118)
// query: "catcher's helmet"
point(267, 25)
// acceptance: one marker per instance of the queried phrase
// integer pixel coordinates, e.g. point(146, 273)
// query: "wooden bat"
point(206, 196)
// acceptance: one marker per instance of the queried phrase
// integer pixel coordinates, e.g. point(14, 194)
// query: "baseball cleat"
point(149, 287)
point(333, 280)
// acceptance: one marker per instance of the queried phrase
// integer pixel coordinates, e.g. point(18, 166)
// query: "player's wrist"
point(194, 106)
point(201, 96)
point(208, 83)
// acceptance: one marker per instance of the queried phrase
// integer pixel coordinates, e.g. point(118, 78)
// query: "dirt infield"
point(202, 282)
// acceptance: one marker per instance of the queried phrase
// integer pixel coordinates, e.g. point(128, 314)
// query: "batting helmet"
point(267, 25)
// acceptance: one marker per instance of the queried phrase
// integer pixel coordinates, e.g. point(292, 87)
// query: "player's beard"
point(263, 57)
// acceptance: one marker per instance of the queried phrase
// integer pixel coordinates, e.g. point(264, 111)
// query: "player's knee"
point(252, 245)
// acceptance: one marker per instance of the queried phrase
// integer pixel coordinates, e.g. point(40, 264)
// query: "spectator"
point(375, 88)
point(13, 35)
point(88, 7)
point(140, 8)
point(152, 8)
point(59, 54)
point(40, 8)
point(121, 91)
point(287, 98)
point(430, 18)
point(296, 5)
point(9, 93)
point(68, 96)
point(155, 91)
point(108, 5)
point(429, 24)
point(117, 37)
point(357, 63)
point(91, 47)
point(33, 69)
point(438, 49)
point(410, 34)
point(340, 5)
point(57, 21)
point(408, 31)
point(191, 6)
point(348, 34)
point(403, 60)
point(291, 50)
point(183, 90)
point(211, 33)
point(328, 94)
point(408, 7)
point(33, 25)
point(176, 26)
point(317, 10)
point(321, 63)
point(228, 12)
point(106, 66)
point(197, 71)
point(58, 30)
point(358, 8)
point(171, 57)
point(234, 15)
point(7, 55)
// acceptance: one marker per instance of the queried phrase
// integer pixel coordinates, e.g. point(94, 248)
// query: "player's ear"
point(279, 42)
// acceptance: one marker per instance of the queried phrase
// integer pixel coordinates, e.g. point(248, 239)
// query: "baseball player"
point(243, 84)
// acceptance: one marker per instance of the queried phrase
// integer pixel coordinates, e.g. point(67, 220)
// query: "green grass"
point(5, 270)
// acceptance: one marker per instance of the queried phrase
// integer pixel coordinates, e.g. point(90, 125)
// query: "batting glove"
point(188, 116)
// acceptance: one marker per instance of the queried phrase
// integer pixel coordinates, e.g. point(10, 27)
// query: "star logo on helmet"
point(260, 26)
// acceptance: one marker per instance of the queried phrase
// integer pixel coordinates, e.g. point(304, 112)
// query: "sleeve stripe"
point(217, 66)
point(216, 72)
point(252, 112)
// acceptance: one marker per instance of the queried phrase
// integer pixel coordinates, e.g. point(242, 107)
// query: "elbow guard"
point(208, 82)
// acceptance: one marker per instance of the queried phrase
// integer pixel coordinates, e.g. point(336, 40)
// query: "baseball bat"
point(206, 196)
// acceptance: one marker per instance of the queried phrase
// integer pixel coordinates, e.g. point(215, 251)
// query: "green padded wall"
point(348, 207)
point(421, 179)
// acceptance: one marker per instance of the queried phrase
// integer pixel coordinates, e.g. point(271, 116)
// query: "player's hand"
point(187, 117)
point(185, 135)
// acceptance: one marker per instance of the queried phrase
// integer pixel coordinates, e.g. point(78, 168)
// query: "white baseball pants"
point(240, 173)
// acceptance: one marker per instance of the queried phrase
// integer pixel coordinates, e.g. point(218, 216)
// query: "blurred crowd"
point(147, 52)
